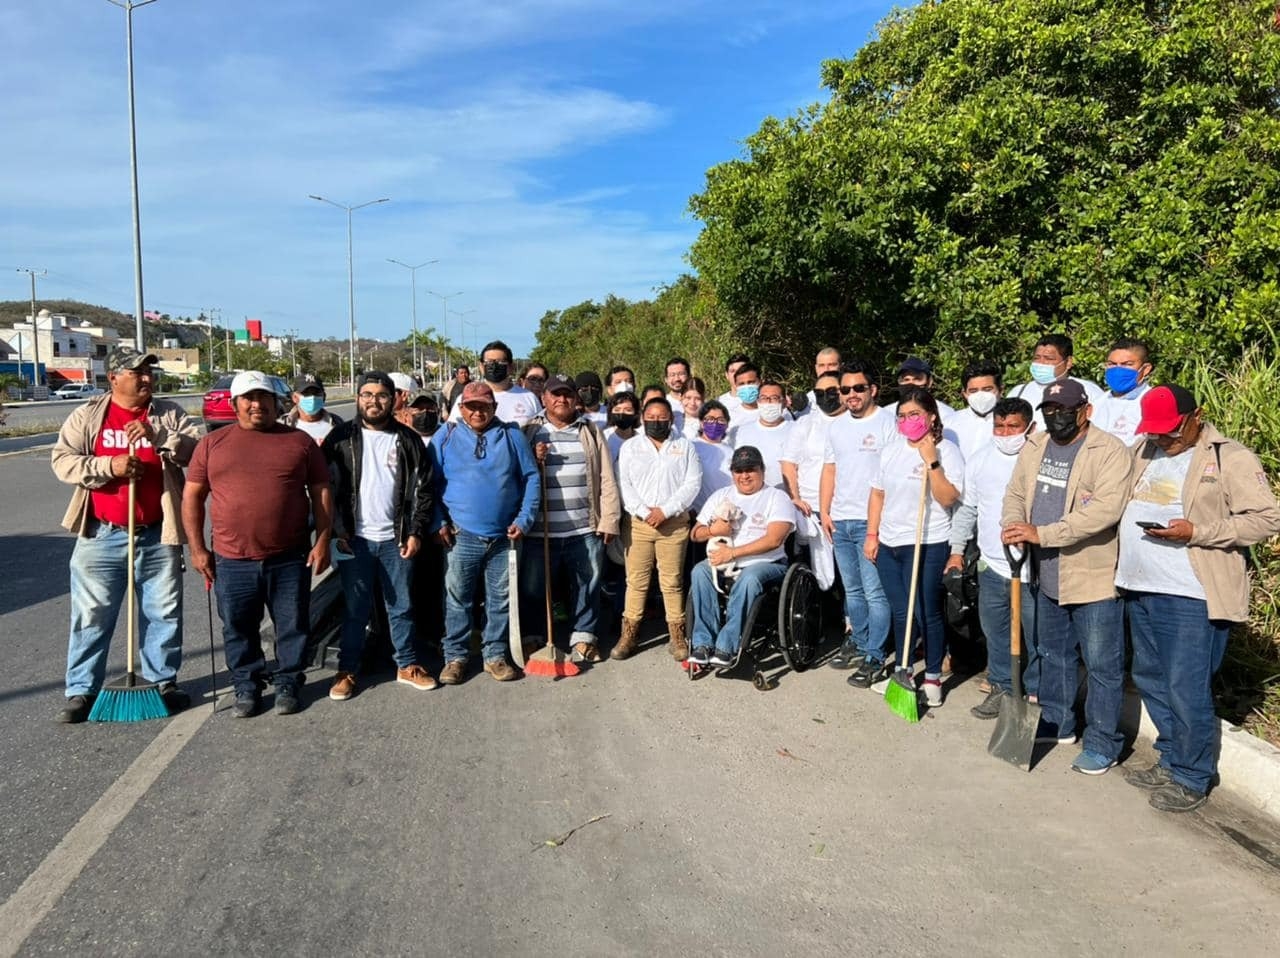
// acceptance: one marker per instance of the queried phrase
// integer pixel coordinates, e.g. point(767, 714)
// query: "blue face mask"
point(1043, 373)
point(749, 394)
point(311, 405)
point(1121, 379)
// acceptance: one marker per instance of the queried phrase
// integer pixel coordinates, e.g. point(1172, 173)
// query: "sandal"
point(587, 652)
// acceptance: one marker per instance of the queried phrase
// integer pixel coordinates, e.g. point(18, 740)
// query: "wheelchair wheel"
point(799, 617)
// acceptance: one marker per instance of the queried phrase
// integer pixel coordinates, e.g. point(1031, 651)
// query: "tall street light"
point(445, 300)
point(462, 320)
point(128, 7)
point(35, 326)
point(413, 288)
point(351, 275)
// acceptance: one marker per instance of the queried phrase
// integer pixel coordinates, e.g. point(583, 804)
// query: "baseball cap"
point(403, 382)
point(422, 396)
point(478, 392)
point(247, 382)
point(309, 381)
point(1163, 408)
point(914, 364)
point(373, 376)
point(746, 458)
point(588, 379)
point(126, 357)
point(1064, 392)
point(562, 383)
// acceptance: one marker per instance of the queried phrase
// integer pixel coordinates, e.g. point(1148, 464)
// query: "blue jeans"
point(1177, 649)
point(994, 613)
point(751, 582)
point(395, 575)
point(584, 556)
point(99, 569)
point(1093, 631)
point(893, 563)
point(865, 603)
point(472, 558)
point(244, 587)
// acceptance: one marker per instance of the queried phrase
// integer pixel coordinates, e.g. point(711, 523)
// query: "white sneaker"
point(933, 693)
point(880, 686)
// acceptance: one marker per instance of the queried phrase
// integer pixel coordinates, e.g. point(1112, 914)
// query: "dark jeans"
point(280, 584)
point(995, 612)
point(1177, 649)
point(893, 563)
point(583, 558)
point(474, 561)
point(380, 561)
point(1093, 631)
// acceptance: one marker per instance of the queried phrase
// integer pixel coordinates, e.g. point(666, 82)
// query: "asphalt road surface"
point(627, 811)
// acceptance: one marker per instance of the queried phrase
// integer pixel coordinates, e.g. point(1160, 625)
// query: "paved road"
point(802, 821)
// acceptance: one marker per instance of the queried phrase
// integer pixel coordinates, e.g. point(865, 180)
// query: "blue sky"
point(543, 150)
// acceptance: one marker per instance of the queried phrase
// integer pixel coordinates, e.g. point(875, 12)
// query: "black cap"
point(422, 397)
point(1066, 393)
point(588, 379)
point(914, 364)
point(309, 381)
point(746, 458)
point(382, 379)
point(560, 382)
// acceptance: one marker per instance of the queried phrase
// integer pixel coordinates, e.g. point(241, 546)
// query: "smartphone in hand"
point(1152, 525)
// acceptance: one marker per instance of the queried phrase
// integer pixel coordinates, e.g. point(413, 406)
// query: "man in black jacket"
point(382, 505)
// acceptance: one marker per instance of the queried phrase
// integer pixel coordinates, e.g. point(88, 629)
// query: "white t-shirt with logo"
point(855, 447)
point(758, 511)
point(969, 431)
point(714, 458)
point(900, 477)
point(379, 463)
point(806, 450)
point(1149, 564)
point(1120, 415)
point(516, 405)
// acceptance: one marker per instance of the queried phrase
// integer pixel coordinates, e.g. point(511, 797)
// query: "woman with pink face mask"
point(892, 510)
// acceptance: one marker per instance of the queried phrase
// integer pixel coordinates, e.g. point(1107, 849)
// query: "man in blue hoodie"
point(488, 493)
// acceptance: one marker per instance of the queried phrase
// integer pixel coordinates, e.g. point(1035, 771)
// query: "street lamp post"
point(463, 321)
point(413, 300)
point(351, 275)
point(35, 326)
point(445, 301)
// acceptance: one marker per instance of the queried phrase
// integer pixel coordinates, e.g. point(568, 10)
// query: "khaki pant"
point(664, 545)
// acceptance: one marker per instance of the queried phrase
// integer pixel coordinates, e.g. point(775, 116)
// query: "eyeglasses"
point(903, 417)
point(475, 407)
point(536, 380)
point(715, 419)
point(859, 389)
point(375, 397)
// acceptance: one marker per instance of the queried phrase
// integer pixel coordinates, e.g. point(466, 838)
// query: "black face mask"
point(426, 422)
point(1062, 426)
point(829, 404)
point(658, 429)
point(624, 420)
point(589, 395)
point(496, 372)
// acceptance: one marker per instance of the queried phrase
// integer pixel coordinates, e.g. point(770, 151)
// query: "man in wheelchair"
point(745, 526)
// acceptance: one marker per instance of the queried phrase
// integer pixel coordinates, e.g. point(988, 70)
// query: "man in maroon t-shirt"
point(266, 481)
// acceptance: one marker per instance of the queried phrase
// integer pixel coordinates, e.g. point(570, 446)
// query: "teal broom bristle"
point(901, 698)
point(137, 704)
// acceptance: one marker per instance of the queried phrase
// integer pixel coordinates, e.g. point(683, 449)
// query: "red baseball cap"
point(478, 392)
point(1163, 408)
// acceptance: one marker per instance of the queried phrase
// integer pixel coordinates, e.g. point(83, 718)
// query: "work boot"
point(77, 710)
point(679, 644)
point(626, 646)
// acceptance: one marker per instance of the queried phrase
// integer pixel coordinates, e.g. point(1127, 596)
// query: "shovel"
point(1014, 738)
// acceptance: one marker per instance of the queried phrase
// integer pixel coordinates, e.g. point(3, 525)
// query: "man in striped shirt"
point(580, 517)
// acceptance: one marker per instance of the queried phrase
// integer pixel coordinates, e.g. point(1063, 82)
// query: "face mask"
point(914, 428)
point(658, 429)
point(1121, 379)
point(714, 430)
point(624, 420)
point(426, 422)
point(829, 404)
point(496, 372)
point(589, 395)
point(770, 411)
point(1010, 445)
point(981, 402)
point(1062, 426)
point(1043, 373)
point(623, 386)
point(311, 405)
point(748, 394)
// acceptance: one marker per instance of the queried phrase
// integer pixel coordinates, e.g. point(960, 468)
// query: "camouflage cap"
point(126, 357)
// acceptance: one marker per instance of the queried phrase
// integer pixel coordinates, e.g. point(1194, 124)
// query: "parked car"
point(79, 391)
point(217, 409)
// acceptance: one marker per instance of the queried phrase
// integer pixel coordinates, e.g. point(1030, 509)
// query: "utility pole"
point(35, 327)
point(413, 305)
point(293, 345)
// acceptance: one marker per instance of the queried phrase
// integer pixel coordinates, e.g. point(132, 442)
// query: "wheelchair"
point(787, 622)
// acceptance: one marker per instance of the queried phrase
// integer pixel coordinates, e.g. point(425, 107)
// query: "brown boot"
point(627, 641)
point(679, 645)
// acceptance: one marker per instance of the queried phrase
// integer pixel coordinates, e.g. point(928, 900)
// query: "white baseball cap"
point(249, 381)
point(403, 382)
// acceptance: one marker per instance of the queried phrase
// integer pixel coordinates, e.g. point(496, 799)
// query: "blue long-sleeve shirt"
point(483, 492)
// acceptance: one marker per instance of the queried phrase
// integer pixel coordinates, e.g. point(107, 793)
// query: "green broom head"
point(901, 696)
point(127, 701)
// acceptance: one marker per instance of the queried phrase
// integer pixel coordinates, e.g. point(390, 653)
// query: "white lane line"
point(38, 895)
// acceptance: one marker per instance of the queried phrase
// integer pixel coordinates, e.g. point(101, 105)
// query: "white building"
point(70, 349)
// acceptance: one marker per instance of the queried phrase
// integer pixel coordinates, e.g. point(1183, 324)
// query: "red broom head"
point(557, 667)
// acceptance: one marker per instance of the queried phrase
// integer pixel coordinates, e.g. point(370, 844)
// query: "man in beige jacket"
point(582, 511)
point(1198, 500)
point(1067, 492)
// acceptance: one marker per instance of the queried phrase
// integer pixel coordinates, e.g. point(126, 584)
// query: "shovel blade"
point(1014, 737)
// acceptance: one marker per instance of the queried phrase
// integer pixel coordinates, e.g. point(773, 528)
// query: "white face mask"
point(623, 386)
point(770, 411)
point(981, 402)
point(1010, 445)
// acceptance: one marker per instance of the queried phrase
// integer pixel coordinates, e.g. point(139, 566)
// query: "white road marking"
point(38, 895)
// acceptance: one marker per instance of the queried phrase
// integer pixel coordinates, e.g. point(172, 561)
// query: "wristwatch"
point(935, 464)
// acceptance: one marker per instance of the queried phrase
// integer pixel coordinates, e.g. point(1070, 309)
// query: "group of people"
point(1134, 516)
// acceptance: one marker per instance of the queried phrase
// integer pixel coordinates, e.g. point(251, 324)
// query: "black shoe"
point(1156, 776)
point(848, 657)
point(175, 700)
point(77, 710)
point(869, 673)
point(246, 705)
point(287, 701)
point(1176, 797)
point(989, 708)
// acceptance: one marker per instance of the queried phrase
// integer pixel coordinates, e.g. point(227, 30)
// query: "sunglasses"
point(829, 393)
point(859, 389)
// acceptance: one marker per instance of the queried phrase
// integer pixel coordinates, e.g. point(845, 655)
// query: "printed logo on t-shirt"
point(1053, 473)
point(117, 439)
point(869, 443)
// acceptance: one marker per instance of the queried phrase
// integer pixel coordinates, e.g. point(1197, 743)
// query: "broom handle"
point(546, 557)
point(130, 625)
point(915, 571)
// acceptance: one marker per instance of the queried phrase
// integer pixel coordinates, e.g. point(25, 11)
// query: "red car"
point(217, 401)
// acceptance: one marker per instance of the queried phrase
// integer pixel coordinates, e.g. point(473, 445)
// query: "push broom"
point(900, 693)
point(548, 661)
point(126, 700)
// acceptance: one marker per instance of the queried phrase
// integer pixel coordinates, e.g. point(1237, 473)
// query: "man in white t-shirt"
point(914, 371)
point(803, 456)
point(827, 361)
point(1126, 372)
point(970, 427)
point(1053, 359)
point(732, 366)
point(749, 523)
point(768, 432)
point(516, 404)
point(676, 376)
point(851, 459)
point(308, 412)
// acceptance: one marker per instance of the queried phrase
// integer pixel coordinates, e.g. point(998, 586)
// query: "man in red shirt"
point(126, 434)
point(266, 481)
